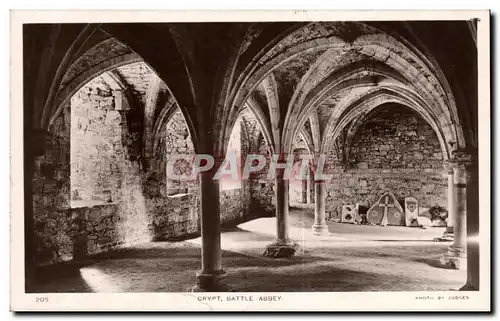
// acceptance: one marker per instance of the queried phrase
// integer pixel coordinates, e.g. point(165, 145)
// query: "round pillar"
point(456, 254)
point(210, 278)
point(451, 203)
point(320, 227)
point(283, 246)
point(473, 272)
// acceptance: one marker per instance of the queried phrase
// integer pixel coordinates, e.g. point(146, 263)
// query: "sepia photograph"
point(286, 161)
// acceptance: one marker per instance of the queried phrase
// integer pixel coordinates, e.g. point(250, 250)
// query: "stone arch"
point(257, 111)
point(357, 73)
point(76, 83)
point(307, 137)
point(45, 113)
point(270, 87)
point(172, 69)
point(253, 49)
point(380, 47)
point(251, 110)
point(164, 117)
point(346, 80)
point(252, 81)
point(360, 107)
point(70, 89)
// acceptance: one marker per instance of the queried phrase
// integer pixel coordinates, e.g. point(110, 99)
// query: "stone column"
point(283, 246)
point(319, 227)
point(209, 279)
point(456, 255)
point(451, 203)
point(282, 201)
point(304, 190)
point(310, 188)
point(473, 273)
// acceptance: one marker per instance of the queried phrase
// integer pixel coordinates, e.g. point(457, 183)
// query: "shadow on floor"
point(145, 269)
point(316, 277)
point(171, 267)
point(436, 263)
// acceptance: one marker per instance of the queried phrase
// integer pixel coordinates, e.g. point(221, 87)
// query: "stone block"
point(362, 165)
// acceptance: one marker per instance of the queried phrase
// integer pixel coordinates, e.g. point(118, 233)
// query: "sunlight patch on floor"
point(99, 281)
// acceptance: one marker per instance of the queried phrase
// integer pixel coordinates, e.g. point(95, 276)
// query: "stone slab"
point(395, 213)
point(411, 211)
point(348, 214)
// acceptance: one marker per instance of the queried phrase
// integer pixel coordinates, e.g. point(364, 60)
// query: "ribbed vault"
point(338, 72)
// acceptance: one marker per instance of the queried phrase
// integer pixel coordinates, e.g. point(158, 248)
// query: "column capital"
point(448, 166)
point(463, 157)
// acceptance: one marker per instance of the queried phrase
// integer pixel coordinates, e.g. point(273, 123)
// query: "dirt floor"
point(351, 258)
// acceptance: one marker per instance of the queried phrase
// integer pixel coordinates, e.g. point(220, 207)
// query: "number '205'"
point(42, 299)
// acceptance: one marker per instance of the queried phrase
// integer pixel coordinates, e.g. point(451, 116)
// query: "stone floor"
point(351, 258)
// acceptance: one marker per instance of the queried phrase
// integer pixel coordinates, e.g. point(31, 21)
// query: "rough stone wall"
point(236, 150)
point(173, 205)
point(179, 144)
point(51, 194)
point(261, 187)
point(297, 185)
point(394, 150)
point(395, 137)
point(74, 215)
point(235, 207)
point(174, 216)
point(106, 168)
point(96, 145)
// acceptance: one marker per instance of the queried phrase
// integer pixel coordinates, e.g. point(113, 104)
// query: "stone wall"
point(394, 136)
point(179, 144)
point(394, 150)
point(51, 194)
point(236, 153)
point(174, 216)
point(297, 185)
point(263, 200)
point(96, 143)
point(102, 203)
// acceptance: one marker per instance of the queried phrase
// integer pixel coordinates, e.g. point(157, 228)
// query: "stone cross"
point(386, 206)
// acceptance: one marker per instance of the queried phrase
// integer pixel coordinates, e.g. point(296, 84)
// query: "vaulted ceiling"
point(296, 79)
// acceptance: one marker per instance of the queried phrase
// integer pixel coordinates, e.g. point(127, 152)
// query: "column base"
point(319, 229)
point(455, 259)
point(469, 287)
point(447, 237)
point(210, 282)
point(281, 249)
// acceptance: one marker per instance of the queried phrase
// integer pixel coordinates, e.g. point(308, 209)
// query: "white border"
point(331, 301)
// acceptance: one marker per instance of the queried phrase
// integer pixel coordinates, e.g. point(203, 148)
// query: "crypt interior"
point(391, 105)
